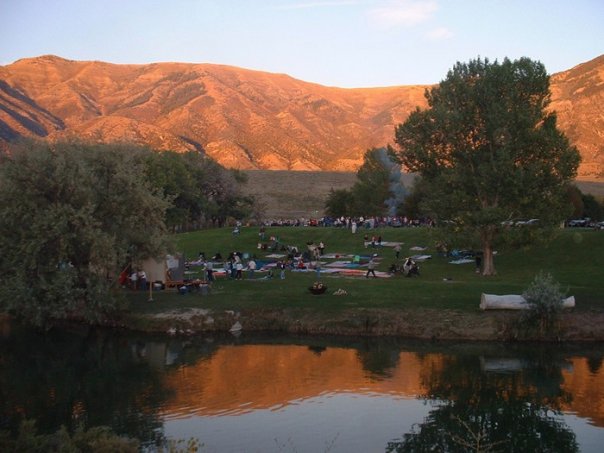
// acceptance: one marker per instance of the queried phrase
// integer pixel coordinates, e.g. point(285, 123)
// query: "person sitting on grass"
point(410, 268)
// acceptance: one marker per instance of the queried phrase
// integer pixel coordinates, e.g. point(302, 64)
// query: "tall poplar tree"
point(488, 150)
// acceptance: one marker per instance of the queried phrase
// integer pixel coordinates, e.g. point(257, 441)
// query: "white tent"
point(172, 268)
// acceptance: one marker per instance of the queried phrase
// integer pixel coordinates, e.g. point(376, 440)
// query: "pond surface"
point(307, 394)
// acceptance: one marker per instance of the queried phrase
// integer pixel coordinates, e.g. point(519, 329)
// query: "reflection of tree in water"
point(594, 364)
point(509, 410)
point(379, 358)
point(70, 379)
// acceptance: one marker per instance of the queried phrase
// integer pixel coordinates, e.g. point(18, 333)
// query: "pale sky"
point(345, 43)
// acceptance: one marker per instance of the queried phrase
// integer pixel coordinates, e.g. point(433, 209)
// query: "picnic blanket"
point(461, 261)
point(362, 273)
point(336, 256)
point(421, 257)
point(343, 264)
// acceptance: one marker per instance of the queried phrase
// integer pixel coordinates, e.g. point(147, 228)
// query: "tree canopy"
point(488, 150)
point(200, 190)
point(71, 217)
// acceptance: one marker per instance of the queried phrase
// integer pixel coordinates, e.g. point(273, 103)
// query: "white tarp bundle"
point(513, 302)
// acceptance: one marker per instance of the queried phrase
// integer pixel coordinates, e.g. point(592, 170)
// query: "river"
point(306, 394)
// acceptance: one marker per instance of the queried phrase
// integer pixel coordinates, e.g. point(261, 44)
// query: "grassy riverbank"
point(575, 259)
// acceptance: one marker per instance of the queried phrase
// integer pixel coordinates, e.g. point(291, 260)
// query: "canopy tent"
point(171, 268)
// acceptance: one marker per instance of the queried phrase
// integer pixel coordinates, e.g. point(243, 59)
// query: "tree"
point(339, 203)
point(488, 150)
point(592, 208)
point(71, 217)
point(575, 198)
point(201, 191)
point(376, 192)
point(372, 188)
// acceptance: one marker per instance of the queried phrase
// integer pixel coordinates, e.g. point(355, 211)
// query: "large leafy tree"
point(71, 217)
point(201, 191)
point(488, 150)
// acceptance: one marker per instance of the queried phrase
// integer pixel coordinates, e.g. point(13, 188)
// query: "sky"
point(344, 43)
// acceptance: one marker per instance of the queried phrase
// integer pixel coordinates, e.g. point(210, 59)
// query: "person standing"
point(210, 271)
point(397, 251)
point(251, 267)
point(371, 268)
point(478, 262)
point(142, 279)
point(134, 280)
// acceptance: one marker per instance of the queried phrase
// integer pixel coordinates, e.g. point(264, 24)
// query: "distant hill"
point(245, 119)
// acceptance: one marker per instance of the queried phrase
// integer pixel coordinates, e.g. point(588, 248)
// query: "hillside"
point(241, 118)
point(302, 194)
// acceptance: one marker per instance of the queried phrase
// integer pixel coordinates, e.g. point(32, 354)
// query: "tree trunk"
point(487, 235)
point(488, 264)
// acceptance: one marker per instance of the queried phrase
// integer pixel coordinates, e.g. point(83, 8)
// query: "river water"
point(306, 394)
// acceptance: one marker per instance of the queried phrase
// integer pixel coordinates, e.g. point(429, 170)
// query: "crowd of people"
point(351, 222)
point(238, 265)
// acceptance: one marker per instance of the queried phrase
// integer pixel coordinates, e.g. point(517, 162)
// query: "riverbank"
point(419, 324)
point(425, 324)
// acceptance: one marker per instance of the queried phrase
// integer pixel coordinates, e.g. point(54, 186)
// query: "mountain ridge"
point(245, 118)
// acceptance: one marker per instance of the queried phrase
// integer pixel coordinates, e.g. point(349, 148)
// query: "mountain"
point(242, 118)
point(578, 99)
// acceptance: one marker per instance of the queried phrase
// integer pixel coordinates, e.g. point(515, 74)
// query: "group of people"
point(135, 279)
point(409, 268)
point(233, 266)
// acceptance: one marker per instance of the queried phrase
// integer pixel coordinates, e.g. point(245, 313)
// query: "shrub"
point(95, 440)
point(545, 305)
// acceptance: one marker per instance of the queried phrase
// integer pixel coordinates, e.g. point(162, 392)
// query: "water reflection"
point(84, 378)
point(485, 403)
point(341, 394)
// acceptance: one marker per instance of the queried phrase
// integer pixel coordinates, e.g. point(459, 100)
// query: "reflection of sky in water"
point(353, 423)
point(589, 437)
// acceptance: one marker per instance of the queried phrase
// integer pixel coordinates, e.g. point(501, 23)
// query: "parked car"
point(574, 223)
point(530, 222)
point(520, 222)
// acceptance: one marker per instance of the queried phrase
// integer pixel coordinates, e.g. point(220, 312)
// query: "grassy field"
point(575, 258)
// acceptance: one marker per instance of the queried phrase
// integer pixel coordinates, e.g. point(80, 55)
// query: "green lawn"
point(575, 259)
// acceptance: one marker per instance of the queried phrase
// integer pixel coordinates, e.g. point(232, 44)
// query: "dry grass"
point(297, 194)
point(302, 194)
